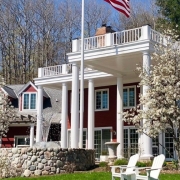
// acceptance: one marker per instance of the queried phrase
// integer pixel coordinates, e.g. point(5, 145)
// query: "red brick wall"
point(8, 141)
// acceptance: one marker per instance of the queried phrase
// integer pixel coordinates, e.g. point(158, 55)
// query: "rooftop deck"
point(109, 40)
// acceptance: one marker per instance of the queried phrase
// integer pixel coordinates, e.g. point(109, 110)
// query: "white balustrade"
point(93, 42)
point(60, 70)
point(126, 36)
point(158, 37)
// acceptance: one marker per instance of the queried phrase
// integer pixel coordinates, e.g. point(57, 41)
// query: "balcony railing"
point(118, 38)
point(126, 36)
point(59, 70)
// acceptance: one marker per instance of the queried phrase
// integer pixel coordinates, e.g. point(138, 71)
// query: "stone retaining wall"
point(35, 161)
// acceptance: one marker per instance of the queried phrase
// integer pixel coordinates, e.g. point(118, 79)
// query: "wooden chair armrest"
point(118, 166)
point(140, 168)
point(143, 168)
point(149, 170)
point(121, 168)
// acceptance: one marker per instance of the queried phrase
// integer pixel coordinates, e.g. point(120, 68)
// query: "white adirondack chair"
point(154, 171)
point(125, 168)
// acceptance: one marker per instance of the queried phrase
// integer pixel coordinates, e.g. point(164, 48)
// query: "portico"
point(111, 61)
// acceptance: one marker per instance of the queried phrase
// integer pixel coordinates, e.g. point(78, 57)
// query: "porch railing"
point(59, 70)
point(118, 38)
point(158, 37)
point(126, 36)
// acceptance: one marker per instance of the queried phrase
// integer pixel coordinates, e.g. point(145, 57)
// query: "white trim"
point(29, 101)
point(101, 90)
point(68, 138)
point(26, 86)
point(5, 92)
point(128, 87)
point(129, 141)
point(164, 151)
point(21, 136)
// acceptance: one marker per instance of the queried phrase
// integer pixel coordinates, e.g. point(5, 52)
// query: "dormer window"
point(29, 101)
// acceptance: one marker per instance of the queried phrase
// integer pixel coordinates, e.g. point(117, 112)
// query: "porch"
point(110, 59)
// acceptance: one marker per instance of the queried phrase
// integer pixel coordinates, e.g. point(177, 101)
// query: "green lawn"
point(90, 176)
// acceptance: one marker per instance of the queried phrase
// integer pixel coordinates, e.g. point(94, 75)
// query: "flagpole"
point(82, 80)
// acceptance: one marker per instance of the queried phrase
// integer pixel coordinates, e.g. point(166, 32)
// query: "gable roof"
point(26, 86)
point(16, 89)
point(9, 91)
point(51, 104)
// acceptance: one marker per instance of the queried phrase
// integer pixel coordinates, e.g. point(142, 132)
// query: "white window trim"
point(129, 142)
point(69, 130)
point(20, 136)
point(29, 101)
point(128, 87)
point(174, 151)
point(107, 109)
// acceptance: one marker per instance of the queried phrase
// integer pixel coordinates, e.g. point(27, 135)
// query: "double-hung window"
point(29, 101)
point(102, 99)
point(129, 97)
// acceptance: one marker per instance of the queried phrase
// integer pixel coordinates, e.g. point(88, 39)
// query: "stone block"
point(37, 172)
point(27, 173)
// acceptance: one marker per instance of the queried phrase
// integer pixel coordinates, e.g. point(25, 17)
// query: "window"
point(29, 101)
point(21, 140)
point(102, 99)
point(129, 97)
point(130, 142)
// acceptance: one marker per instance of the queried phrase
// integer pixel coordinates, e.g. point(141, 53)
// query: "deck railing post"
point(108, 39)
point(146, 32)
point(75, 45)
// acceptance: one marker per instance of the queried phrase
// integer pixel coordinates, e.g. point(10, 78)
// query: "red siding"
point(30, 89)
point(8, 141)
point(103, 118)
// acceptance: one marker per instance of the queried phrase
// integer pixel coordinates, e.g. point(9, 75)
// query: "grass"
point(89, 176)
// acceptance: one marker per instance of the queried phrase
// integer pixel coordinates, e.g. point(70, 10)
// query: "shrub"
point(144, 164)
point(103, 164)
point(140, 164)
point(121, 162)
point(104, 153)
point(164, 164)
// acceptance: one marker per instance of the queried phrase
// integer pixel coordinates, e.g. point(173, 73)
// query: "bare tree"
point(96, 16)
point(141, 14)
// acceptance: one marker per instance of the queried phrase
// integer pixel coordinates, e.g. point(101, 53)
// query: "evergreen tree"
point(170, 11)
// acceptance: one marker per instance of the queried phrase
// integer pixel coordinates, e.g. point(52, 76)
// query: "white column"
point(39, 114)
point(147, 141)
point(75, 45)
point(64, 112)
point(120, 123)
point(146, 32)
point(91, 115)
point(31, 135)
point(140, 141)
point(108, 39)
point(75, 107)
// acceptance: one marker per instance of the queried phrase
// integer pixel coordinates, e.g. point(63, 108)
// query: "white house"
point(110, 86)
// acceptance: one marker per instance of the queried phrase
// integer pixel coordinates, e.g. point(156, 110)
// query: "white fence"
point(126, 36)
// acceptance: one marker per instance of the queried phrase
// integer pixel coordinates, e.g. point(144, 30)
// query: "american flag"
point(121, 5)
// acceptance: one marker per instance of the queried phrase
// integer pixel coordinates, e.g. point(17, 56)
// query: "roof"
point(51, 104)
point(10, 92)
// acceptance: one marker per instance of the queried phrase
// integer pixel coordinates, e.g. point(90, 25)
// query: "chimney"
point(103, 30)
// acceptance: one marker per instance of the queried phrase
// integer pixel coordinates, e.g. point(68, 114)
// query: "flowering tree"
point(161, 112)
point(7, 112)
